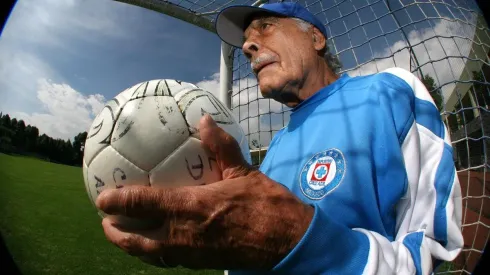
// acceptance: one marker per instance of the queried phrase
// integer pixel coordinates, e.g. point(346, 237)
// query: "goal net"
point(446, 43)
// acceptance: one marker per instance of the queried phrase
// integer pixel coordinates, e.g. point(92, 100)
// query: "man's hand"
point(245, 221)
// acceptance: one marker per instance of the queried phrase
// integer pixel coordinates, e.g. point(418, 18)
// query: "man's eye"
point(265, 25)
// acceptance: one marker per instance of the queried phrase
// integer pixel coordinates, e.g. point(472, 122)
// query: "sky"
point(61, 60)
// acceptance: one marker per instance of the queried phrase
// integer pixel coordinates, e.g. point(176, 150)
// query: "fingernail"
point(210, 119)
point(207, 119)
point(101, 198)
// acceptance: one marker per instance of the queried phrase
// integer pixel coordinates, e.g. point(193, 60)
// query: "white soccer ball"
point(147, 135)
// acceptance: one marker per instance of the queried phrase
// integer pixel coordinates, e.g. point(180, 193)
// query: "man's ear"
point(319, 41)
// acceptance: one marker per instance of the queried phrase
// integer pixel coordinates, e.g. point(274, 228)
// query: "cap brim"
point(230, 23)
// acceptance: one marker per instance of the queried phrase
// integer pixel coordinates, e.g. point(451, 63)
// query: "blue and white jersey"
point(374, 158)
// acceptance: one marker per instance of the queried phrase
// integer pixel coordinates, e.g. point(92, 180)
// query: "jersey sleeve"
point(428, 216)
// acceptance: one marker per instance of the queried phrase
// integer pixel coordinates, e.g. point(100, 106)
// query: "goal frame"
point(464, 84)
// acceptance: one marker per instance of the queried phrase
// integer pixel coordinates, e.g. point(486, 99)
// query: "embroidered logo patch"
point(322, 174)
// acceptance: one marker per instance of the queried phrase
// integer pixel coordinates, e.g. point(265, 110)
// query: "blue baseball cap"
point(230, 22)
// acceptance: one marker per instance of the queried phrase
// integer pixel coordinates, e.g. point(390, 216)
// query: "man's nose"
point(250, 47)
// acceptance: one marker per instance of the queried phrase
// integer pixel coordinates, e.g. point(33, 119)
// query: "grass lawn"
point(50, 227)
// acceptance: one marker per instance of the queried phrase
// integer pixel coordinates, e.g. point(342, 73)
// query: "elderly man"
point(361, 180)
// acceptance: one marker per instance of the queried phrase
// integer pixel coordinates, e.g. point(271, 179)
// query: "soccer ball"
point(147, 135)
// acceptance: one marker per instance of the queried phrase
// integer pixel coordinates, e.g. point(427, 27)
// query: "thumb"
point(226, 149)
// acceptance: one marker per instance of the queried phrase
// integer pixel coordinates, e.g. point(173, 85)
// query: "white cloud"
point(18, 72)
point(68, 112)
point(211, 85)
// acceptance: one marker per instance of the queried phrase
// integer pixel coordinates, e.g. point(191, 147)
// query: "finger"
point(130, 201)
point(147, 203)
point(133, 243)
point(137, 223)
point(223, 145)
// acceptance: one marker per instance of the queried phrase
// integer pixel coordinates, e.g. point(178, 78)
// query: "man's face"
point(281, 55)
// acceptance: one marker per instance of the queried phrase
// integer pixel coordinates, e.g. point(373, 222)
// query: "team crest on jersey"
point(322, 174)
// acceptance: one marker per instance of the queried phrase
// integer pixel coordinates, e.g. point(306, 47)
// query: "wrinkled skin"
point(245, 221)
point(294, 65)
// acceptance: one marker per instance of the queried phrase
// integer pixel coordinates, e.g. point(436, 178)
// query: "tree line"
point(18, 138)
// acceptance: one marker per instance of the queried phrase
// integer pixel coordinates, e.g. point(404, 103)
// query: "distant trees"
point(18, 138)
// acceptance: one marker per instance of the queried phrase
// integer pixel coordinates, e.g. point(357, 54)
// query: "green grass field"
point(50, 226)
